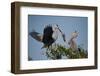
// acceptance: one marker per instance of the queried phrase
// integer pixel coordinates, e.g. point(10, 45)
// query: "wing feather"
point(36, 36)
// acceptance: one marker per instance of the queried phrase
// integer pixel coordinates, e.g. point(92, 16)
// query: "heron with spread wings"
point(49, 36)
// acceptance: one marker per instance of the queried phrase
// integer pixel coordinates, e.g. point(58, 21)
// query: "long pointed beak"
point(59, 30)
point(63, 35)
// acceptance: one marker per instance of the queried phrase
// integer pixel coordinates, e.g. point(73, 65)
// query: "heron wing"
point(36, 36)
point(48, 31)
point(47, 34)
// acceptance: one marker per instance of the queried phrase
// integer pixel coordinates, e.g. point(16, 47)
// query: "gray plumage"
point(50, 35)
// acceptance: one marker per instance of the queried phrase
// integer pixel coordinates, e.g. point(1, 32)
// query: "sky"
point(68, 24)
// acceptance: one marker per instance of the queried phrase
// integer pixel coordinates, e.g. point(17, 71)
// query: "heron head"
point(75, 34)
point(56, 28)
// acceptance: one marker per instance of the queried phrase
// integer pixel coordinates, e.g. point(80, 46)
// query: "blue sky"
point(67, 24)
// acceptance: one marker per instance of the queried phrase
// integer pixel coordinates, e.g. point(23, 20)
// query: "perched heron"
point(72, 43)
point(49, 36)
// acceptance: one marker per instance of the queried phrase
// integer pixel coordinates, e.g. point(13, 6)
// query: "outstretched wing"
point(36, 36)
point(47, 34)
point(48, 31)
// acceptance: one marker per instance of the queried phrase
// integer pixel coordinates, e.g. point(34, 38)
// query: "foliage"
point(58, 51)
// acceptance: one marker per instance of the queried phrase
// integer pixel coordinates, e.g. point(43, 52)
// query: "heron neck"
point(55, 35)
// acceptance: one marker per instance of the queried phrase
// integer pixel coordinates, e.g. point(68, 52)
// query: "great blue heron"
point(49, 36)
point(72, 42)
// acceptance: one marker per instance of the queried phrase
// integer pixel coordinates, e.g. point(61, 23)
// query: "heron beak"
point(59, 29)
point(63, 35)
